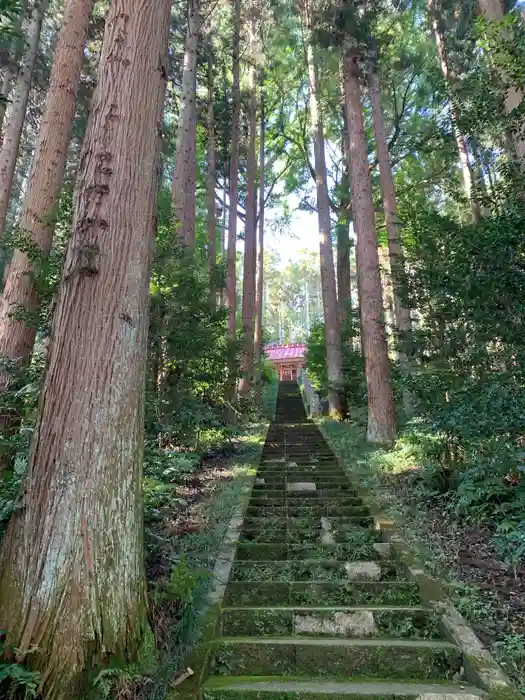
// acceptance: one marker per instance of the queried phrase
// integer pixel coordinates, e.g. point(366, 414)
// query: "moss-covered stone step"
point(286, 571)
point(321, 510)
point(300, 535)
point(342, 621)
point(294, 502)
point(335, 658)
point(290, 467)
point(313, 511)
point(295, 523)
point(293, 490)
point(343, 551)
point(276, 688)
point(321, 593)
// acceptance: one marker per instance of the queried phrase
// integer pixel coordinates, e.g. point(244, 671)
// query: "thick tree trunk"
point(259, 300)
point(17, 110)
point(184, 175)
point(493, 11)
point(343, 268)
point(344, 287)
point(72, 560)
point(47, 170)
point(334, 356)
point(210, 185)
point(231, 278)
point(461, 141)
point(250, 239)
point(231, 261)
point(381, 407)
point(403, 324)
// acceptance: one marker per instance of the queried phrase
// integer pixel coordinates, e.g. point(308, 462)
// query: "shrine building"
point(288, 359)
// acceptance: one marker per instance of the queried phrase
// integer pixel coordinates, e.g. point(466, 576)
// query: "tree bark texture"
point(250, 239)
point(231, 276)
point(17, 111)
point(381, 408)
point(210, 186)
point(17, 338)
point(184, 175)
point(461, 141)
point(334, 356)
point(71, 564)
point(393, 226)
point(257, 338)
point(344, 216)
point(493, 11)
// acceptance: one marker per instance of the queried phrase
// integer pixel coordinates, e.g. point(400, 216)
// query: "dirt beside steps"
point(315, 606)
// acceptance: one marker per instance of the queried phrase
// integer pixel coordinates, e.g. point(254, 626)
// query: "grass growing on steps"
point(491, 601)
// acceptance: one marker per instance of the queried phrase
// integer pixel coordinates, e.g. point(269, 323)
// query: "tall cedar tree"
point(17, 112)
point(344, 216)
point(257, 336)
point(72, 560)
point(210, 183)
point(185, 173)
point(17, 337)
point(381, 427)
point(250, 238)
point(10, 71)
point(402, 320)
point(334, 356)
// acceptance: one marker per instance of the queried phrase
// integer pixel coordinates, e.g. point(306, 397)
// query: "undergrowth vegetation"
point(458, 549)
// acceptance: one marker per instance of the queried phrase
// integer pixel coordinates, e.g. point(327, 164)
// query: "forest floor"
point(489, 594)
point(189, 501)
point(184, 532)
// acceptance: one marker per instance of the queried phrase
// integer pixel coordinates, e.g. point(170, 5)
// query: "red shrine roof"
point(276, 353)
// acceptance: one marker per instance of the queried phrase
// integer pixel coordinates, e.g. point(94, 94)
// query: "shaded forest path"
point(315, 607)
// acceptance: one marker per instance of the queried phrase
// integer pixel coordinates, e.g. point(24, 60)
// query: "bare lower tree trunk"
point(210, 184)
point(403, 324)
point(259, 301)
point(334, 356)
point(493, 11)
point(381, 407)
point(17, 111)
point(72, 560)
point(344, 214)
point(231, 282)
point(231, 272)
point(250, 238)
point(185, 153)
point(17, 337)
point(461, 141)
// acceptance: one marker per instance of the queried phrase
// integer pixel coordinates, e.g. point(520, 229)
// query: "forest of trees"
point(141, 141)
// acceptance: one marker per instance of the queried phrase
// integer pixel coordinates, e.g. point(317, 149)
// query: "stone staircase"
point(315, 607)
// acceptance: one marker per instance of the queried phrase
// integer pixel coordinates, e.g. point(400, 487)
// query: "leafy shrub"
point(353, 367)
point(468, 284)
point(16, 681)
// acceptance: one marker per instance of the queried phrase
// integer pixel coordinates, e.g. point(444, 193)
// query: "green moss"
point(259, 499)
point(257, 571)
point(231, 694)
point(329, 593)
point(266, 511)
point(261, 623)
point(247, 551)
point(337, 660)
point(333, 570)
point(344, 551)
point(253, 593)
